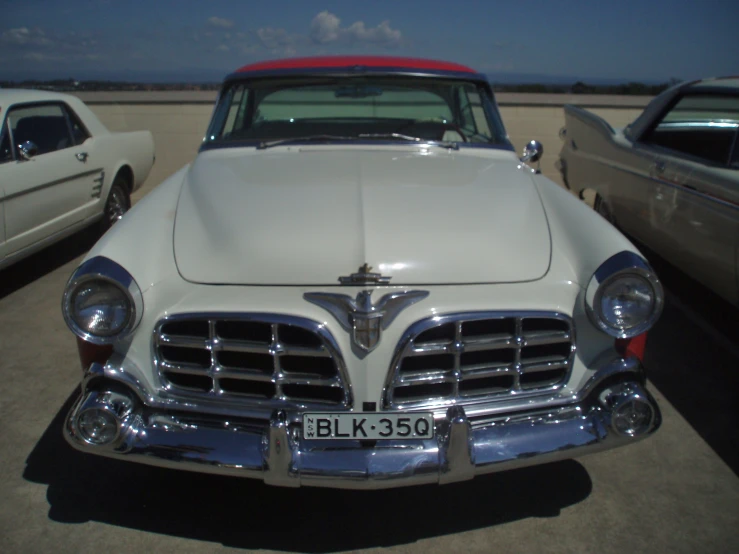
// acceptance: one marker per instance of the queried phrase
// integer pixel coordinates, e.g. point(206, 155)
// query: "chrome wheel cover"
point(117, 205)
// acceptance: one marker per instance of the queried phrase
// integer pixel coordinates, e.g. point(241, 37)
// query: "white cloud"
point(326, 27)
point(220, 22)
point(284, 52)
point(223, 48)
point(41, 57)
point(24, 35)
point(274, 38)
point(382, 33)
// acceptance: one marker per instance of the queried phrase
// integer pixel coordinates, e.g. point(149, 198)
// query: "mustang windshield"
point(363, 108)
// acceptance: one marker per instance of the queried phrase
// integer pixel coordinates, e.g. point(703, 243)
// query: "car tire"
point(117, 203)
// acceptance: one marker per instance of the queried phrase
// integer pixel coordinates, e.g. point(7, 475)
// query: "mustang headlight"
point(102, 302)
point(624, 297)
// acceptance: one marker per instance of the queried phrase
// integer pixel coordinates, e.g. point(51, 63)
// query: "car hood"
point(306, 216)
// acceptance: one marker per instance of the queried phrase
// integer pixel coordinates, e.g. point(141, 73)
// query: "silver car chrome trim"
point(104, 269)
point(276, 453)
point(461, 345)
point(50, 184)
point(722, 124)
point(622, 264)
point(275, 348)
point(645, 175)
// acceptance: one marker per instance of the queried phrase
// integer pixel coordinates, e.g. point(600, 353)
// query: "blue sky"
point(647, 40)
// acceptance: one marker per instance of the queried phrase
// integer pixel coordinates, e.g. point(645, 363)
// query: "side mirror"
point(532, 152)
point(28, 150)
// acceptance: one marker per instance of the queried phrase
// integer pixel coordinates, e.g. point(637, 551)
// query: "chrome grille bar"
point(267, 360)
point(478, 356)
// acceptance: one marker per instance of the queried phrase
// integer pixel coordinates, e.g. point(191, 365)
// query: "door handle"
point(81, 156)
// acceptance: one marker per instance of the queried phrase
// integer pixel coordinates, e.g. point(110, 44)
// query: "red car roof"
point(353, 61)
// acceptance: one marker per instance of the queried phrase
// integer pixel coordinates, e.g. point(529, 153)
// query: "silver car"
point(670, 179)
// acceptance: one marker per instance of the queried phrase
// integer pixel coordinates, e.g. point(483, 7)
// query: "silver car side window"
point(6, 152)
point(702, 126)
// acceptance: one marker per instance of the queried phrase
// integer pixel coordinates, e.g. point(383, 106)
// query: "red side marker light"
point(634, 346)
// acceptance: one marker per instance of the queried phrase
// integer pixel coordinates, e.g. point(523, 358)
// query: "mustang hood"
point(306, 216)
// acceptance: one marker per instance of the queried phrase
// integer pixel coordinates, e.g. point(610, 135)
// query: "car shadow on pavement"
point(29, 269)
point(248, 514)
point(692, 357)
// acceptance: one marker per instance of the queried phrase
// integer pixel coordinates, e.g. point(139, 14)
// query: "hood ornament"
point(364, 320)
point(364, 276)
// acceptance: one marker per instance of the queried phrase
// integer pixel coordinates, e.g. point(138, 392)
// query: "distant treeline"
point(584, 88)
point(71, 85)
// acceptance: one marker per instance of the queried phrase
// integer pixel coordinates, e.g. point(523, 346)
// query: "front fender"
point(581, 238)
point(142, 241)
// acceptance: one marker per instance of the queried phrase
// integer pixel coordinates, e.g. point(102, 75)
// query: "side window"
point(79, 132)
point(6, 154)
point(237, 100)
point(43, 124)
point(466, 117)
point(702, 126)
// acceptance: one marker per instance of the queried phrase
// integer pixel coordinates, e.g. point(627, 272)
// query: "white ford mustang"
point(61, 170)
point(358, 284)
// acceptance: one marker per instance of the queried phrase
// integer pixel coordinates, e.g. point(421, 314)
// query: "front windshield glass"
point(364, 107)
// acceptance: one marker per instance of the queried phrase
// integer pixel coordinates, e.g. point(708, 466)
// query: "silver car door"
point(6, 156)
point(705, 226)
point(696, 192)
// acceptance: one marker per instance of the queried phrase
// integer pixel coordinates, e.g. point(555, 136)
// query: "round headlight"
point(102, 302)
point(100, 308)
point(624, 297)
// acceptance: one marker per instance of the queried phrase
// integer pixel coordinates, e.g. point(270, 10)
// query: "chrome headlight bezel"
point(103, 269)
point(623, 264)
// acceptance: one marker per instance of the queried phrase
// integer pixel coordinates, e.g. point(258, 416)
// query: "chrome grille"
point(480, 356)
point(251, 359)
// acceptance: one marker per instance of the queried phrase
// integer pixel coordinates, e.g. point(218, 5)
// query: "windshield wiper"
point(323, 138)
point(308, 138)
point(440, 143)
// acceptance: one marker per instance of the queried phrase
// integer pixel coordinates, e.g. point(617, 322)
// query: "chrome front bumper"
point(275, 452)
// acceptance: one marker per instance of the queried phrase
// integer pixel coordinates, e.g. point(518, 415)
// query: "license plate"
point(368, 425)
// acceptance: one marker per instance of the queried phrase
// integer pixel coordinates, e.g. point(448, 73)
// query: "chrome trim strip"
point(50, 184)
point(406, 347)
point(275, 348)
point(722, 124)
point(645, 175)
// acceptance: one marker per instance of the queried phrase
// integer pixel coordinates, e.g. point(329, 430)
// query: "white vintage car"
point(358, 284)
point(670, 179)
point(61, 170)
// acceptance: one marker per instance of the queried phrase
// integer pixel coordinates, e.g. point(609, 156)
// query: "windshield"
point(364, 107)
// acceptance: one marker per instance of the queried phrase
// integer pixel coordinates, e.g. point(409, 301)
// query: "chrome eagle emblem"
point(364, 320)
point(364, 276)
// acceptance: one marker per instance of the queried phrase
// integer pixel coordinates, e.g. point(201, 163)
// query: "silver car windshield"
point(422, 109)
